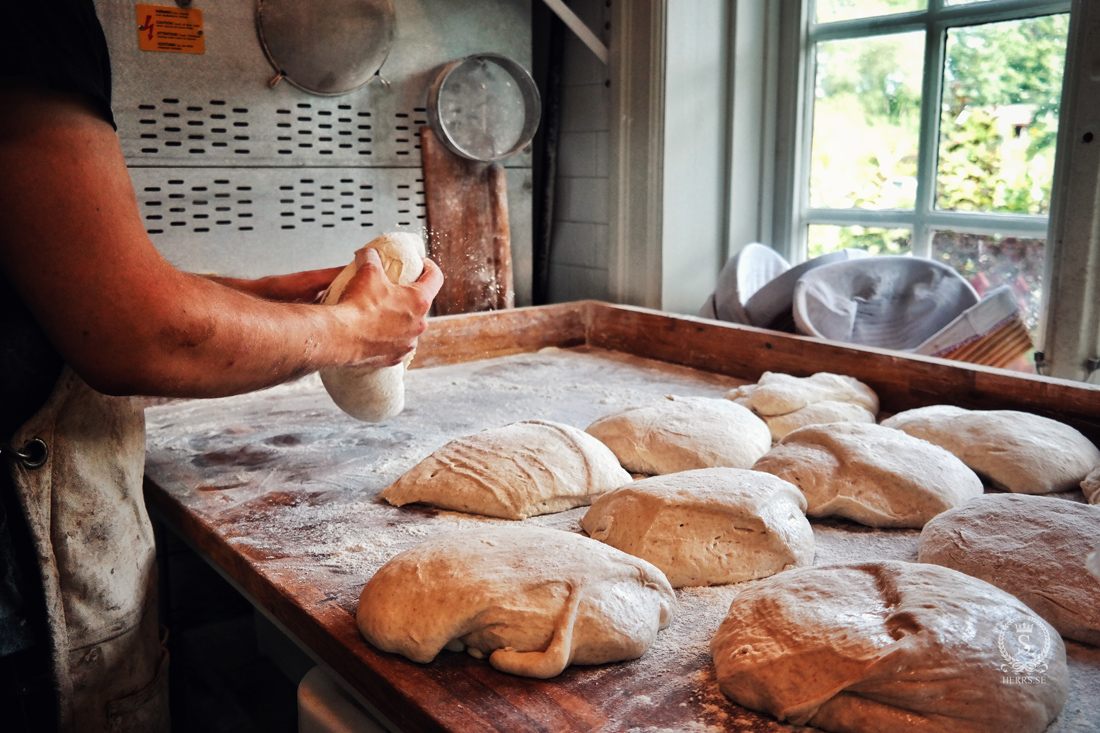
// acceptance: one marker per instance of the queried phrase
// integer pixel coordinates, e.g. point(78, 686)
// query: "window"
point(928, 127)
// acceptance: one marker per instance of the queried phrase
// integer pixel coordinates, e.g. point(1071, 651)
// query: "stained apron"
point(95, 552)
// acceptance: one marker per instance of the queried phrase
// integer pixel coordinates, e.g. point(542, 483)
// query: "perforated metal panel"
point(238, 178)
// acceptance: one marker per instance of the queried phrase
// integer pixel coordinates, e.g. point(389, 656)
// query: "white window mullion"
point(928, 145)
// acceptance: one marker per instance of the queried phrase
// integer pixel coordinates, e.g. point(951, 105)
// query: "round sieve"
point(328, 48)
point(484, 107)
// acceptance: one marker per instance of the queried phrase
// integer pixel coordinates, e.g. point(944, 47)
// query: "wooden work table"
point(279, 489)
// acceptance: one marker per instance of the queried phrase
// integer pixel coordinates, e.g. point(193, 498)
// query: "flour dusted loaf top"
point(890, 647)
point(533, 600)
point(1034, 547)
point(512, 472)
point(374, 394)
point(787, 403)
point(708, 526)
point(1016, 451)
point(683, 433)
point(871, 474)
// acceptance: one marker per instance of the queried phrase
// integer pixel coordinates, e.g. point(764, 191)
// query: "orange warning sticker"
point(176, 30)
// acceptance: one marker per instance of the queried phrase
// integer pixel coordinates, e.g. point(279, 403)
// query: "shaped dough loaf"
point(683, 433)
point(707, 527)
point(533, 600)
point(1016, 451)
point(513, 472)
point(374, 394)
point(1034, 547)
point(787, 403)
point(890, 647)
point(871, 474)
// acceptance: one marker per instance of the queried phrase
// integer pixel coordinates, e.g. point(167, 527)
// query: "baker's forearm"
point(73, 245)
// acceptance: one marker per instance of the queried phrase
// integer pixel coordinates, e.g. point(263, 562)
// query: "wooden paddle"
point(468, 235)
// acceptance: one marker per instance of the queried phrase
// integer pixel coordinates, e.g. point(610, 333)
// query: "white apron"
point(94, 546)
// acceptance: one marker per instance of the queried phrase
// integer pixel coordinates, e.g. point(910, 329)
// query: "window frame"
point(924, 219)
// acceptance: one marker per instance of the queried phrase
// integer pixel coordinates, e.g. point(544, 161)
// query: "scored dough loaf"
point(512, 472)
point(374, 394)
point(887, 647)
point(787, 403)
point(683, 433)
point(533, 600)
point(708, 526)
point(871, 474)
point(1034, 547)
point(1017, 451)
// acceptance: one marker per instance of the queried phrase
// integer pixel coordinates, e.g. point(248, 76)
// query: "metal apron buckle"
point(34, 453)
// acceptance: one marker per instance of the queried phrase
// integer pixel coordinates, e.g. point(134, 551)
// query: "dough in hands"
point(1034, 547)
point(871, 474)
point(683, 433)
point(513, 472)
point(787, 403)
point(533, 600)
point(374, 394)
point(890, 646)
point(1017, 451)
point(707, 527)
point(1091, 486)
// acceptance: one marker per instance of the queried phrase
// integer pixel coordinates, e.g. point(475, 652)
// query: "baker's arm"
point(297, 287)
point(73, 245)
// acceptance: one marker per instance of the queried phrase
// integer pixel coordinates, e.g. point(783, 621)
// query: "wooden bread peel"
point(468, 234)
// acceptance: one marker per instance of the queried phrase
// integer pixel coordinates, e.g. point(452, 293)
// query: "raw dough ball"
point(1091, 486)
point(871, 474)
point(374, 394)
point(533, 600)
point(1016, 451)
point(682, 433)
point(514, 472)
point(707, 527)
point(779, 394)
point(787, 403)
point(1034, 547)
point(890, 647)
point(819, 413)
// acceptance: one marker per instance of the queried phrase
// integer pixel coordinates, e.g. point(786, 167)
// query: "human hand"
point(386, 318)
point(296, 287)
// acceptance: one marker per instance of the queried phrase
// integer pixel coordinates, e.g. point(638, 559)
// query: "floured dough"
point(1016, 451)
point(513, 472)
point(819, 413)
point(889, 647)
point(779, 394)
point(707, 527)
point(533, 600)
point(871, 474)
point(682, 433)
point(787, 403)
point(1091, 486)
point(374, 394)
point(1034, 547)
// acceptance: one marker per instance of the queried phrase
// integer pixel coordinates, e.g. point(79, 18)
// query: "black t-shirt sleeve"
point(60, 45)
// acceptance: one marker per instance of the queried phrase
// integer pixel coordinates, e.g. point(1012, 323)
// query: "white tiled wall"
point(579, 248)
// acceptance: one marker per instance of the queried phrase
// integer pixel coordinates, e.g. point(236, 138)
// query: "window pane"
point(989, 261)
point(823, 239)
point(1002, 87)
point(832, 10)
point(866, 122)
